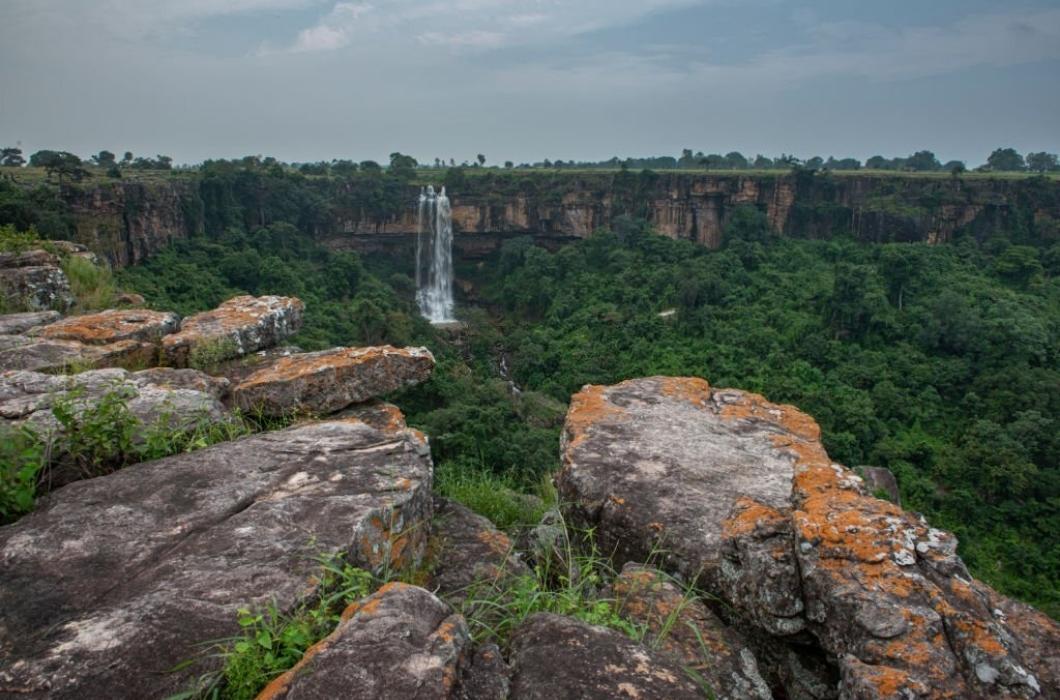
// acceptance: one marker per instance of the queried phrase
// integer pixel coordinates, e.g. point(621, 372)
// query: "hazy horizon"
point(308, 80)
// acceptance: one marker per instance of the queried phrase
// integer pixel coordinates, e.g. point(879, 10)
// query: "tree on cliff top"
point(1042, 162)
point(1006, 160)
point(923, 161)
point(12, 157)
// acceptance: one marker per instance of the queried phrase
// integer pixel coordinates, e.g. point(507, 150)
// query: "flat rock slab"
point(121, 578)
point(559, 657)
point(16, 324)
point(46, 355)
point(112, 326)
point(330, 380)
point(401, 642)
point(739, 495)
point(239, 326)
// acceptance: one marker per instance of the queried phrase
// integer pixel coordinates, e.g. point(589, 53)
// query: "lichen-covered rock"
point(113, 326)
point(237, 369)
point(486, 676)
point(130, 299)
point(881, 480)
point(469, 554)
point(330, 380)
point(738, 494)
point(193, 379)
point(47, 355)
point(400, 642)
point(239, 326)
point(560, 657)
point(16, 324)
point(118, 580)
point(33, 281)
point(681, 625)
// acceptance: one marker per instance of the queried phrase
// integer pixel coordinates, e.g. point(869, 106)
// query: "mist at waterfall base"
point(434, 257)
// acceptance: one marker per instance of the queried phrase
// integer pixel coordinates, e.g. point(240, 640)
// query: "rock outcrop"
point(33, 281)
point(118, 580)
point(112, 326)
point(44, 355)
point(239, 326)
point(401, 642)
point(738, 494)
point(330, 380)
point(560, 657)
point(17, 324)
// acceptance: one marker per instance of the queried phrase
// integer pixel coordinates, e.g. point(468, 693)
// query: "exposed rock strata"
point(33, 281)
point(330, 380)
point(239, 326)
point(45, 355)
point(119, 579)
point(401, 642)
point(738, 494)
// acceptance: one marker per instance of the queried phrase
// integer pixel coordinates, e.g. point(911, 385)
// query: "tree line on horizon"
point(70, 166)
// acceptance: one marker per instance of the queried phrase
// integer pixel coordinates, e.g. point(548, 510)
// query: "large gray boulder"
point(120, 579)
point(112, 326)
point(330, 380)
point(559, 657)
point(33, 281)
point(46, 355)
point(736, 493)
point(237, 327)
point(401, 642)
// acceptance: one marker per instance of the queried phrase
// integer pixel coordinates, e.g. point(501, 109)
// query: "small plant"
point(14, 241)
point(272, 640)
point(22, 457)
point(99, 437)
point(165, 436)
point(492, 496)
point(208, 355)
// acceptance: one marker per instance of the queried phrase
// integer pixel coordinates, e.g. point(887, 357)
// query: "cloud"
point(335, 31)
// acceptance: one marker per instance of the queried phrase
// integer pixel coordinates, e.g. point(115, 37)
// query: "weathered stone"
point(560, 657)
point(879, 479)
point(469, 554)
point(112, 326)
point(401, 642)
point(193, 379)
point(32, 280)
point(130, 299)
point(16, 324)
point(46, 355)
point(239, 326)
point(681, 625)
point(237, 369)
point(119, 579)
point(330, 380)
point(486, 677)
point(730, 488)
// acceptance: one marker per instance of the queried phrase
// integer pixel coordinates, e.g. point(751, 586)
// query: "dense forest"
point(941, 363)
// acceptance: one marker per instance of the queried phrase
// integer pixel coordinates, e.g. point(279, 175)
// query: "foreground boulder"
point(330, 380)
point(559, 657)
point(33, 281)
point(16, 324)
point(680, 625)
point(239, 326)
point(738, 494)
point(120, 579)
point(401, 642)
point(113, 326)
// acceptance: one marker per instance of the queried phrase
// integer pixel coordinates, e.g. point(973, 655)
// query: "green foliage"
point(92, 285)
point(494, 496)
point(14, 241)
point(95, 434)
point(207, 355)
point(22, 457)
point(273, 640)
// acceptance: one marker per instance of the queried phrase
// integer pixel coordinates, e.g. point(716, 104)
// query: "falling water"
point(434, 257)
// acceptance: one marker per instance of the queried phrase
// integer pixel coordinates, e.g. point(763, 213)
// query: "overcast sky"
point(529, 79)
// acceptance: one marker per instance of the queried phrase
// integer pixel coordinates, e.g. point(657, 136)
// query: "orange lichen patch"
point(979, 634)
point(887, 681)
point(748, 515)
point(587, 408)
point(694, 390)
point(295, 366)
point(617, 500)
point(497, 541)
point(656, 526)
point(404, 484)
point(754, 406)
point(111, 326)
point(446, 631)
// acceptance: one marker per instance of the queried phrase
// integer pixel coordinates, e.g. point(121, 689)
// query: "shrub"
point(22, 456)
point(92, 285)
point(208, 355)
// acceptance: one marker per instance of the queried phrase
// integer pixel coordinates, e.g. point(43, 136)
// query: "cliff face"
point(128, 221)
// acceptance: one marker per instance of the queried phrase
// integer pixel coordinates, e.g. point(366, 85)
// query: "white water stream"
point(434, 257)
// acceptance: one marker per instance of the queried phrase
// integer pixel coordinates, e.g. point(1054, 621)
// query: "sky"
point(524, 80)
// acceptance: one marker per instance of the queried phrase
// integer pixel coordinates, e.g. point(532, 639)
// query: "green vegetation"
point(208, 355)
point(494, 496)
point(92, 285)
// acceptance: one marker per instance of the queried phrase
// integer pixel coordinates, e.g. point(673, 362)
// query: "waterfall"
point(434, 257)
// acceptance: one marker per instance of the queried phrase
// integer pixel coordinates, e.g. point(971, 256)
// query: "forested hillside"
point(938, 362)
